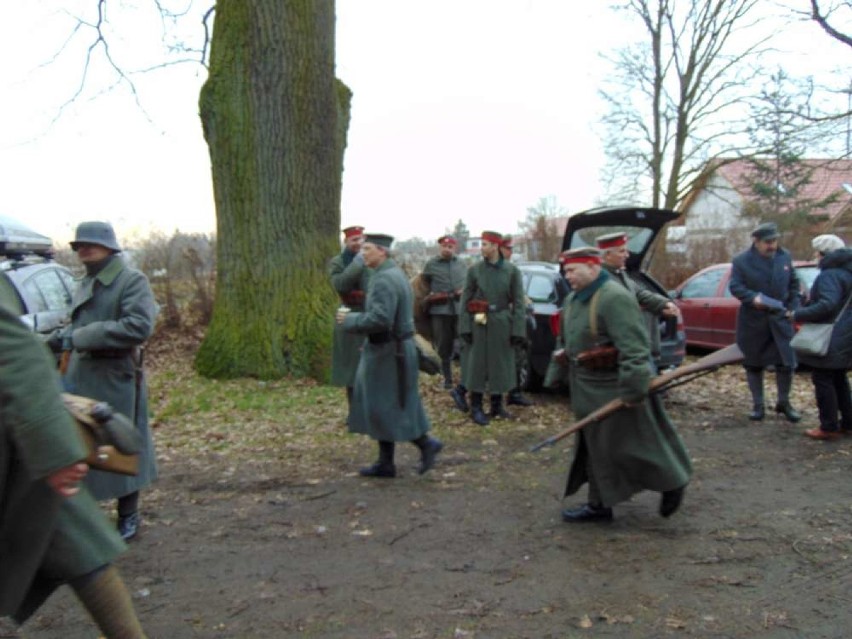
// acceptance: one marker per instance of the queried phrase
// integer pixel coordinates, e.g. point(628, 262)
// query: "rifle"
point(681, 375)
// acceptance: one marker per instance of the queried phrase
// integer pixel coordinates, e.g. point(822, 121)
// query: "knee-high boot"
point(754, 377)
point(384, 467)
point(784, 382)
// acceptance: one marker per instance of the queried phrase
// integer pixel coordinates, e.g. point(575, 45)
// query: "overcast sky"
point(462, 109)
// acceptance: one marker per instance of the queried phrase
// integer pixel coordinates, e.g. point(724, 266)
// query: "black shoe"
point(757, 413)
point(478, 416)
point(378, 470)
point(514, 398)
point(460, 399)
point(128, 526)
point(788, 411)
point(428, 454)
point(587, 512)
point(670, 501)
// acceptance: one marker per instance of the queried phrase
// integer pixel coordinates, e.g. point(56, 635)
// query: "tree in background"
point(830, 14)
point(275, 122)
point(542, 240)
point(779, 175)
point(674, 98)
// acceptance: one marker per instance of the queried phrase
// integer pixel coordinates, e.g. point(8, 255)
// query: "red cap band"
point(353, 231)
point(494, 238)
point(612, 242)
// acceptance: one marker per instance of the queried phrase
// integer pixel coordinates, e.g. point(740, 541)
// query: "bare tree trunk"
point(274, 118)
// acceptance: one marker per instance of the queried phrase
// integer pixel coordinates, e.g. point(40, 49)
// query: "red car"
point(710, 311)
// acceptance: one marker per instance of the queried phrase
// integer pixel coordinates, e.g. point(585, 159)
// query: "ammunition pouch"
point(598, 358)
point(438, 298)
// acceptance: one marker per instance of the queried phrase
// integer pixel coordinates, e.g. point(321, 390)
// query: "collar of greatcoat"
point(105, 276)
point(585, 294)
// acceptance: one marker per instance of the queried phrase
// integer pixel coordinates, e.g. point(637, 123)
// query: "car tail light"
point(555, 323)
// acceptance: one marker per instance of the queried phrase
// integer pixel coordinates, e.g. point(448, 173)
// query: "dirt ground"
point(760, 548)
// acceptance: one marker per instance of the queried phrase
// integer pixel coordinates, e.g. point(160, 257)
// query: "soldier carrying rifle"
point(606, 347)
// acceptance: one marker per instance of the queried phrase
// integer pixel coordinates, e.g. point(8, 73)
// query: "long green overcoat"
point(636, 448)
point(490, 360)
point(43, 537)
point(389, 368)
point(113, 312)
point(347, 274)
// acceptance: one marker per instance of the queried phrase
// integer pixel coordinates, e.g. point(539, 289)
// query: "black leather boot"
point(788, 411)
point(476, 413)
point(514, 398)
point(385, 466)
point(447, 372)
point(429, 449)
point(587, 512)
point(459, 395)
point(670, 501)
point(497, 409)
point(757, 413)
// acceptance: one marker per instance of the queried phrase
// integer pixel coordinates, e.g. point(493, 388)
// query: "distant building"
point(717, 211)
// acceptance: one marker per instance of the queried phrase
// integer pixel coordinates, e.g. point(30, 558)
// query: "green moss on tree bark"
point(275, 121)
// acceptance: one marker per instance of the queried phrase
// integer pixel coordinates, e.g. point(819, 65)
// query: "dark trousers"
point(444, 333)
point(831, 387)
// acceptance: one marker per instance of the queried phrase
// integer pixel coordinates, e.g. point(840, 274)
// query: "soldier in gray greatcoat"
point(51, 530)
point(764, 281)
point(112, 315)
point(638, 447)
point(445, 274)
point(614, 259)
point(349, 277)
point(386, 401)
point(492, 323)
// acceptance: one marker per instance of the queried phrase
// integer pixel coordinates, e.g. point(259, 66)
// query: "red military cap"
point(353, 231)
point(584, 255)
point(492, 236)
point(611, 240)
point(447, 240)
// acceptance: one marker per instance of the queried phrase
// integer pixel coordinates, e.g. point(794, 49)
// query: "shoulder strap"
point(593, 314)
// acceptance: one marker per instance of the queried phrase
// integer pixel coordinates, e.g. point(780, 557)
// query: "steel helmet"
point(100, 233)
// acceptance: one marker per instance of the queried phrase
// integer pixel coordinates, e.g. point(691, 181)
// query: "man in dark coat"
point(51, 530)
point(386, 400)
point(614, 260)
point(492, 323)
point(830, 302)
point(444, 274)
point(113, 314)
point(349, 277)
point(765, 282)
point(636, 448)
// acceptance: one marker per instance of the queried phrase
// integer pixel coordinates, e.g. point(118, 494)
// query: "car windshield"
point(637, 236)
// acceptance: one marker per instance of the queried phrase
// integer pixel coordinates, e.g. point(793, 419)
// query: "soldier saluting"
point(491, 323)
point(445, 274)
point(606, 347)
point(349, 277)
point(764, 281)
point(386, 401)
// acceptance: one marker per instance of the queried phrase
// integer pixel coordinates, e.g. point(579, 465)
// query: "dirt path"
point(761, 547)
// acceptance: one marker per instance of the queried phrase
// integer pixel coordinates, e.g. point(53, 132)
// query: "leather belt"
point(386, 336)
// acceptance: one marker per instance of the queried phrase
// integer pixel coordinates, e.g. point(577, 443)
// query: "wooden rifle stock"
point(707, 364)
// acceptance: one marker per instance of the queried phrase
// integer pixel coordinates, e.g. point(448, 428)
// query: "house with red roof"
point(723, 207)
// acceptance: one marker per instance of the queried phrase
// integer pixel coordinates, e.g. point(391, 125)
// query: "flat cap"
point(766, 231)
point(379, 239)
